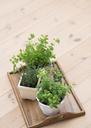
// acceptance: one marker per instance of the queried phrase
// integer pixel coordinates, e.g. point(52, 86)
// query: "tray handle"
point(56, 118)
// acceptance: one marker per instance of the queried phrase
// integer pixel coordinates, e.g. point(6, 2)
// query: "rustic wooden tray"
point(33, 116)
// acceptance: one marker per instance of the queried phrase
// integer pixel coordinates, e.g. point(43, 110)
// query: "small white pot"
point(27, 92)
point(47, 110)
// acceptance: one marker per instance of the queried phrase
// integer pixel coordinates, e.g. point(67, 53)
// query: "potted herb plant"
point(51, 95)
point(27, 83)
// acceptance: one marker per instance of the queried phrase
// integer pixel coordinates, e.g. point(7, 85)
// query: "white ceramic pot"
point(47, 110)
point(27, 92)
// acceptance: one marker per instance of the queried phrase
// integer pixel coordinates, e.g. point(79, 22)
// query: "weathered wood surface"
point(70, 20)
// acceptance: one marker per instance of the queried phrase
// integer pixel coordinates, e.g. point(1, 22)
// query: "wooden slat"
point(76, 55)
point(13, 27)
point(22, 11)
point(8, 103)
point(4, 88)
point(12, 119)
point(80, 72)
point(8, 6)
point(83, 90)
point(71, 39)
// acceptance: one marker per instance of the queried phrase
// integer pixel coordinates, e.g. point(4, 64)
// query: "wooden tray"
point(33, 116)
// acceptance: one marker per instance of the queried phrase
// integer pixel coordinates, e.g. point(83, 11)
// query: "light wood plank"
point(5, 85)
point(83, 90)
point(41, 19)
point(76, 56)
point(6, 6)
point(22, 12)
point(72, 34)
point(13, 119)
point(80, 72)
point(8, 103)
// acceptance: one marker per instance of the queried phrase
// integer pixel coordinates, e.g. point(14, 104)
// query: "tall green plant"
point(37, 53)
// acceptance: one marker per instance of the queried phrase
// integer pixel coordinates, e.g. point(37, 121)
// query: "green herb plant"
point(52, 93)
point(57, 75)
point(51, 72)
point(38, 53)
point(29, 77)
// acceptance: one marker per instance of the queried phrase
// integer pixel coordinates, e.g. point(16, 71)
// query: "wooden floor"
point(70, 20)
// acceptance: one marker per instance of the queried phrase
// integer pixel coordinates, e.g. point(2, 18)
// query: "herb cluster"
point(29, 77)
point(51, 93)
point(50, 71)
point(51, 88)
point(37, 53)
